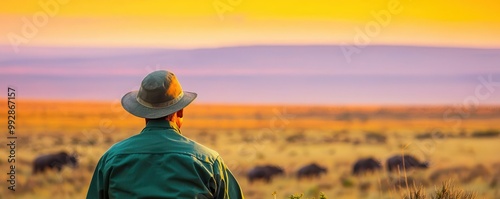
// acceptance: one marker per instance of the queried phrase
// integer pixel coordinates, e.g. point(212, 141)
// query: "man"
point(160, 162)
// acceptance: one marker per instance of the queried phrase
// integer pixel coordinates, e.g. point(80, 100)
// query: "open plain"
point(460, 143)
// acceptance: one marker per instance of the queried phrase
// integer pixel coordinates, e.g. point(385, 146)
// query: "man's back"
point(161, 163)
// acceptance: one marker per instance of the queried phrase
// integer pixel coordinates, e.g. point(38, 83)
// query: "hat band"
point(162, 104)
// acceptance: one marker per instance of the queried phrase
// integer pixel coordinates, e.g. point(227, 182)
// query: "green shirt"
point(161, 163)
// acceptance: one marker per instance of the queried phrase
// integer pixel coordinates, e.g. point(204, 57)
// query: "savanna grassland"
point(460, 143)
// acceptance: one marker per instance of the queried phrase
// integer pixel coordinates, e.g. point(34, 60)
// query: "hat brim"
point(131, 105)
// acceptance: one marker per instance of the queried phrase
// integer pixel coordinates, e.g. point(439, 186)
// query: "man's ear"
point(180, 113)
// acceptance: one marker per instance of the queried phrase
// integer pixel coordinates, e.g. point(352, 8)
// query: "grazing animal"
point(56, 160)
point(407, 162)
point(265, 172)
point(311, 170)
point(366, 165)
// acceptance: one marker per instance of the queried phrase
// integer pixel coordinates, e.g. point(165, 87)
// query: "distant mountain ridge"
point(260, 74)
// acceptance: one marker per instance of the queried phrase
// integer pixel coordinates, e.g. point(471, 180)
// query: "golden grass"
point(245, 136)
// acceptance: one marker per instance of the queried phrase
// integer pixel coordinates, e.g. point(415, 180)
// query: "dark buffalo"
point(265, 172)
point(407, 162)
point(366, 165)
point(51, 161)
point(311, 170)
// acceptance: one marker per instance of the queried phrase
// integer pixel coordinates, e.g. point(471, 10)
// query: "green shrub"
point(486, 134)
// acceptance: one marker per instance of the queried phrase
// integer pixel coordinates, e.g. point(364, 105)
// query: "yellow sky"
point(211, 23)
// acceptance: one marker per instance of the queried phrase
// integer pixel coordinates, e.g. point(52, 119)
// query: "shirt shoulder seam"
point(211, 160)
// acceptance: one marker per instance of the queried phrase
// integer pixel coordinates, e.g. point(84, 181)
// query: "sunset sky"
point(203, 23)
point(254, 51)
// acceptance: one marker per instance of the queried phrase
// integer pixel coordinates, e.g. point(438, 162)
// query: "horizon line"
point(106, 101)
point(254, 45)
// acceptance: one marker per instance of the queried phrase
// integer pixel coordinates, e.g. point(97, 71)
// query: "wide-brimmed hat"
point(160, 95)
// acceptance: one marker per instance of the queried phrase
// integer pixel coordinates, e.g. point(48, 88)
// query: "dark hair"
point(151, 119)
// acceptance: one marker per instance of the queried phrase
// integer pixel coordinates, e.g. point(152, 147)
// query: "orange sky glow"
point(216, 23)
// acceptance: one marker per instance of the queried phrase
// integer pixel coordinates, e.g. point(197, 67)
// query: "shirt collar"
point(163, 124)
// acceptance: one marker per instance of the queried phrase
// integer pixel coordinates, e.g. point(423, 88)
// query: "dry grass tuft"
point(446, 191)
